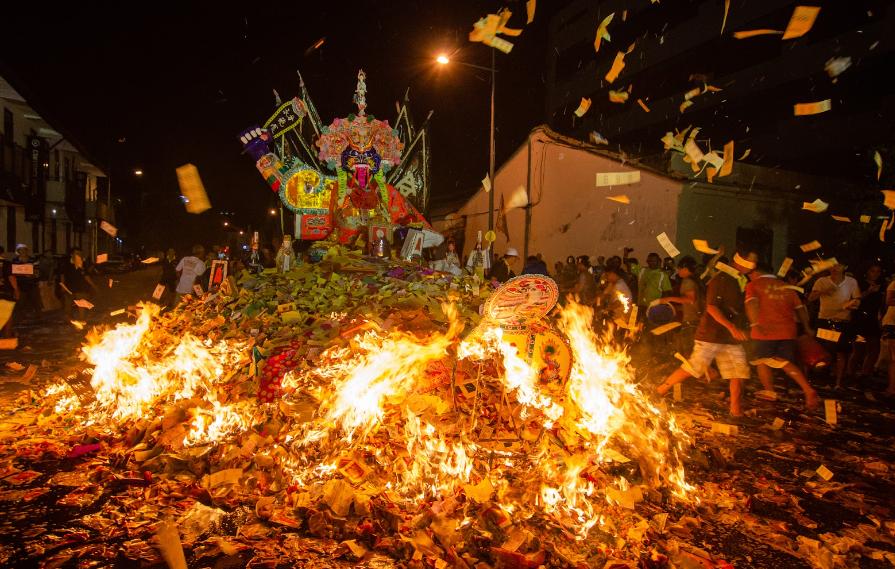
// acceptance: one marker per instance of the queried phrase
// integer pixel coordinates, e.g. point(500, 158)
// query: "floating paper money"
point(583, 107)
point(81, 303)
point(486, 183)
point(618, 96)
point(836, 65)
point(684, 105)
point(617, 65)
point(195, 198)
point(753, 33)
point(878, 160)
point(865, 219)
point(821, 265)
point(621, 198)
point(703, 247)
point(824, 472)
point(603, 31)
point(485, 30)
point(158, 292)
point(801, 21)
point(108, 228)
point(828, 335)
point(725, 268)
point(888, 198)
point(685, 364)
point(746, 153)
point(784, 267)
point(6, 308)
point(817, 206)
point(841, 218)
point(812, 246)
point(666, 244)
point(149, 260)
point(530, 8)
point(659, 330)
point(727, 166)
point(617, 178)
point(642, 105)
point(118, 312)
point(830, 411)
point(802, 109)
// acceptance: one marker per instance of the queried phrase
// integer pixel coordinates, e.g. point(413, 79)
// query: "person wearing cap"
point(839, 295)
point(720, 334)
point(503, 269)
point(773, 309)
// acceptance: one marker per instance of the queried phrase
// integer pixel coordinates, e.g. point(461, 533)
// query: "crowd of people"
point(44, 284)
point(735, 315)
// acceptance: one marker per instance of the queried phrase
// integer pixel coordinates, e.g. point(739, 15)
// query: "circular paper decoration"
point(522, 300)
point(545, 349)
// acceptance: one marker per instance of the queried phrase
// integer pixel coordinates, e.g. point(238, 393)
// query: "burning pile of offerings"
point(387, 408)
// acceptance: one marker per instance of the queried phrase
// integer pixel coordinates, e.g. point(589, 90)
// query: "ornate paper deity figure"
point(339, 189)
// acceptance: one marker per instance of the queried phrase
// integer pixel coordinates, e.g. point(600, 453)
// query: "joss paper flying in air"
point(841, 218)
point(703, 247)
point(618, 96)
point(835, 66)
point(617, 65)
point(108, 228)
point(812, 246)
point(196, 200)
point(642, 105)
point(583, 107)
point(878, 160)
point(666, 244)
point(603, 31)
point(486, 183)
point(622, 198)
point(804, 109)
point(530, 8)
point(817, 206)
point(801, 21)
point(784, 267)
point(888, 199)
point(753, 33)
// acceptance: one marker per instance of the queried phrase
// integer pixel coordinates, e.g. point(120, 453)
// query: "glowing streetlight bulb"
point(226, 224)
point(138, 172)
point(443, 59)
point(273, 211)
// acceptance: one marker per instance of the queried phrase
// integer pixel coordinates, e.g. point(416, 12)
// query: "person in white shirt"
point(188, 269)
point(839, 295)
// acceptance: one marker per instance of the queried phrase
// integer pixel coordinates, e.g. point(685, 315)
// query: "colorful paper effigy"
point(348, 190)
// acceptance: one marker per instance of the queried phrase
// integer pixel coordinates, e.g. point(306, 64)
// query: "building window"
point(56, 164)
point(8, 126)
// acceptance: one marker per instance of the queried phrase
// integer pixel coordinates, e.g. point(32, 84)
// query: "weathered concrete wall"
point(569, 214)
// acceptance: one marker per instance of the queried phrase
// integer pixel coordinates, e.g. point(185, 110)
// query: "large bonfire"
point(369, 402)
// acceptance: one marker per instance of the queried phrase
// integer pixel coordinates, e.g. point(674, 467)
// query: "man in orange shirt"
point(772, 308)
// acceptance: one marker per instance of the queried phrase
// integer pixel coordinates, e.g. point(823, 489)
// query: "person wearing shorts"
point(839, 295)
point(720, 336)
point(772, 309)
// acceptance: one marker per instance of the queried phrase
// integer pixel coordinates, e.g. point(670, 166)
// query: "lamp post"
point(444, 59)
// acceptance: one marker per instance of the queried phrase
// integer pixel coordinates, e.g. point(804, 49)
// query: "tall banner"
point(39, 155)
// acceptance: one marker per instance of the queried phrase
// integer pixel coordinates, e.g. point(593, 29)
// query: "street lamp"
point(443, 59)
point(273, 211)
point(138, 172)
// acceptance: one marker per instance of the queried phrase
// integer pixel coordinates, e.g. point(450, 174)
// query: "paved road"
point(51, 342)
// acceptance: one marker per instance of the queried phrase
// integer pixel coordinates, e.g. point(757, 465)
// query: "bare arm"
point(752, 306)
point(719, 316)
point(15, 286)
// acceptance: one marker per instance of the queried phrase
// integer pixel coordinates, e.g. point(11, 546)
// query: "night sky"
point(178, 81)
